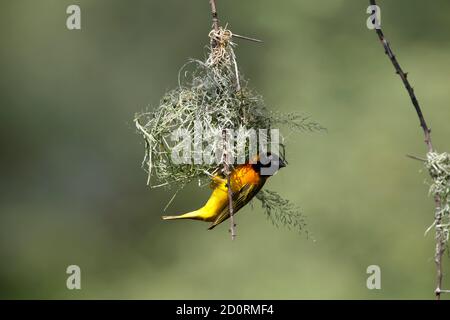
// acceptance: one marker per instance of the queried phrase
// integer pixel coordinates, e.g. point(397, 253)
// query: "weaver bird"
point(246, 180)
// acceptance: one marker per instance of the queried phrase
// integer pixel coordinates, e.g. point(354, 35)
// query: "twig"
point(227, 171)
point(246, 38)
point(404, 77)
point(230, 203)
point(226, 167)
point(236, 71)
point(416, 158)
point(215, 17)
point(440, 248)
point(445, 291)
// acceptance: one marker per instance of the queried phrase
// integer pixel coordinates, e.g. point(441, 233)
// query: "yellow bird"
point(246, 180)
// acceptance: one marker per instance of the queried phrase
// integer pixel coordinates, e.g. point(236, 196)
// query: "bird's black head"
point(268, 164)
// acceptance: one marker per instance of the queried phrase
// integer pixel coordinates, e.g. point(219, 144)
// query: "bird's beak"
point(282, 163)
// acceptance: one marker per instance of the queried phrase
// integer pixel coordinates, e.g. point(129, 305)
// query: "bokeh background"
point(72, 190)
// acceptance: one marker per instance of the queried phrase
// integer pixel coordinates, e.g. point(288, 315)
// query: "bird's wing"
point(218, 181)
point(240, 199)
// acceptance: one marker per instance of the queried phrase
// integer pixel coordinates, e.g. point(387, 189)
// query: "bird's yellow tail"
point(196, 215)
point(171, 217)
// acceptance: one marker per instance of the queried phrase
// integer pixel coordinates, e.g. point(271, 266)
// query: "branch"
point(440, 248)
point(226, 167)
point(416, 158)
point(215, 17)
point(404, 77)
point(246, 38)
point(227, 172)
point(230, 203)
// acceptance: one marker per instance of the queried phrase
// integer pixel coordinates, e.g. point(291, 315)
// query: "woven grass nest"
point(213, 94)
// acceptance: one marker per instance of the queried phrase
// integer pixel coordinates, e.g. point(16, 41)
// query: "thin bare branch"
point(246, 38)
point(226, 167)
point(215, 17)
point(230, 204)
point(416, 158)
point(445, 291)
point(440, 244)
point(409, 88)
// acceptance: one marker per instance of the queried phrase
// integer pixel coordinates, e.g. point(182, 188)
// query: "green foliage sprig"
point(280, 211)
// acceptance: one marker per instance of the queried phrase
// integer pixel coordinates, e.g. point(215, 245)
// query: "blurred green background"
point(73, 192)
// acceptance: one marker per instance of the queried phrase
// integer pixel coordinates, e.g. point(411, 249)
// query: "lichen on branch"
point(438, 166)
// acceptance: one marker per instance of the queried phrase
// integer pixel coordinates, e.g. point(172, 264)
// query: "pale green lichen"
point(281, 211)
point(438, 165)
